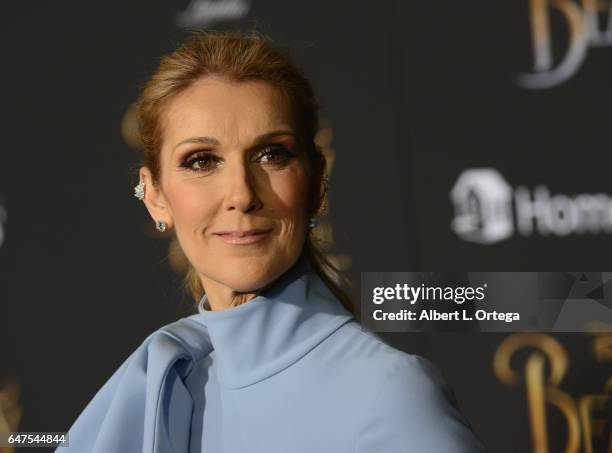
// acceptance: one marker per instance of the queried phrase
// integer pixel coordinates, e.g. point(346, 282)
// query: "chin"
point(250, 284)
point(249, 271)
point(253, 276)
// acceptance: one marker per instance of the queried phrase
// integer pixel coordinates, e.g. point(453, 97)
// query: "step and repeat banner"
point(470, 140)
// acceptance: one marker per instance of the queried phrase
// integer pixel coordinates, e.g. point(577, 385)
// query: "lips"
point(242, 233)
point(243, 237)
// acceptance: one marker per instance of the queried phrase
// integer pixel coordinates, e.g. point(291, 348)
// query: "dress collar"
point(270, 332)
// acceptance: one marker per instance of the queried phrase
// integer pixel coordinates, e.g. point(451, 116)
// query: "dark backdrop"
point(413, 95)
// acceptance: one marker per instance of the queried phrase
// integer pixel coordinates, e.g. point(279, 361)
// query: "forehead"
point(226, 110)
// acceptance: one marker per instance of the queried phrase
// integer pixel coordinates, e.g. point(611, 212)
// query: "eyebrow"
point(213, 141)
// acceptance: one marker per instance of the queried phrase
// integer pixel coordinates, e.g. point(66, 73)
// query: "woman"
point(274, 360)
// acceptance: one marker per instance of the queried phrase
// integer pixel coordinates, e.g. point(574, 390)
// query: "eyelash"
point(269, 150)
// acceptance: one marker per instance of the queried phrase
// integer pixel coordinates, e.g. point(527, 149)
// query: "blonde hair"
point(240, 56)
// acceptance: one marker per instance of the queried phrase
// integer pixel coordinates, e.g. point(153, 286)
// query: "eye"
point(275, 154)
point(201, 161)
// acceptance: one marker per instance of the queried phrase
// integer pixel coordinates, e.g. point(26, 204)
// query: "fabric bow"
point(145, 406)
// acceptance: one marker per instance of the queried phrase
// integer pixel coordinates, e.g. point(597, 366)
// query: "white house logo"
point(203, 13)
point(588, 23)
point(489, 210)
point(483, 211)
point(2, 222)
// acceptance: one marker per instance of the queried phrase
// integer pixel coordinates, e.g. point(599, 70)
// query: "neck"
point(220, 297)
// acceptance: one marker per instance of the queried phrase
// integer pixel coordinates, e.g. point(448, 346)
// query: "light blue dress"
point(290, 371)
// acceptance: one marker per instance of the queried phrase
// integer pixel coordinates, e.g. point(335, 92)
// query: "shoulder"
point(356, 351)
point(358, 348)
point(406, 401)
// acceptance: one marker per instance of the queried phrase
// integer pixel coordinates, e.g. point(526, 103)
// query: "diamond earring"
point(313, 222)
point(139, 190)
point(161, 226)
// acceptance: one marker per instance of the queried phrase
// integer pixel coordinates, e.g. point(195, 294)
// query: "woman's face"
point(230, 163)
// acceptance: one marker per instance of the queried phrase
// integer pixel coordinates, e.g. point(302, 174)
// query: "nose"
point(242, 194)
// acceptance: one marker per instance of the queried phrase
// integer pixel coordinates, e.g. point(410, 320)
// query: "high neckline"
point(263, 336)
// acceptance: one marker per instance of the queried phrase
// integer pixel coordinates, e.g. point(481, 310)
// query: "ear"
point(154, 199)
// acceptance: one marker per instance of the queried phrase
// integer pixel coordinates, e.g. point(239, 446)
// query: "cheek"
point(191, 208)
point(291, 192)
